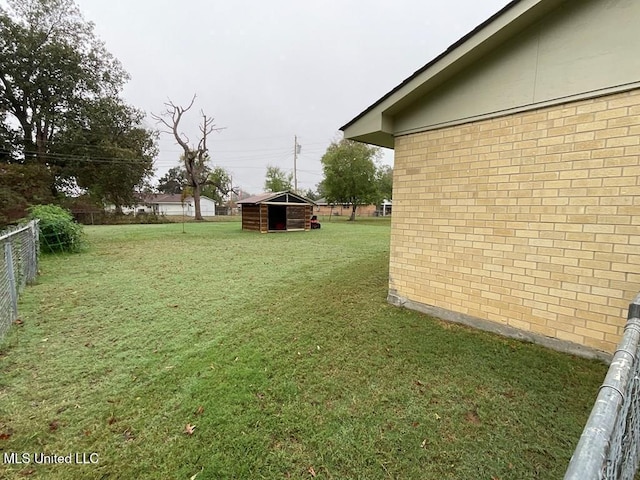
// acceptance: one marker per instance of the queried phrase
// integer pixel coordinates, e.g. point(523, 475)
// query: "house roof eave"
point(375, 124)
point(378, 138)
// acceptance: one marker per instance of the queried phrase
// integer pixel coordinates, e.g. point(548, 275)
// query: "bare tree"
point(195, 158)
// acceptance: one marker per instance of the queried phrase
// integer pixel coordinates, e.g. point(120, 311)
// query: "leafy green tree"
point(277, 180)
point(218, 185)
point(350, 174)
point(50, 64)
point(311, 194)
point(8, 140)
point(173, 182)
point(106, 151)
point(384, 177)
point(59, 106)
point(21, 186)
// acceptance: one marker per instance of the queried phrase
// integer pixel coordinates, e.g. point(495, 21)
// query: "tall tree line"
point(63, 125)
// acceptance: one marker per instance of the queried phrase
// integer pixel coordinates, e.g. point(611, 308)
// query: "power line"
point(92, 158)
point(84, 158)
point(238, 140)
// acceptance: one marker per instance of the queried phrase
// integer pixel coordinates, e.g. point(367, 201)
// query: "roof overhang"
point(276, 198)
point(375, 125)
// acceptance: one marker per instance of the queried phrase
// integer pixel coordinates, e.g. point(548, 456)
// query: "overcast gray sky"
point(269, 70)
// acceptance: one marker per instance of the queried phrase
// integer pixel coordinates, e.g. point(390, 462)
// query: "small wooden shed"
point(276, 212)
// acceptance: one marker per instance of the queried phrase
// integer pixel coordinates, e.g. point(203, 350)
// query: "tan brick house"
point(326, 209)
point(517, 174)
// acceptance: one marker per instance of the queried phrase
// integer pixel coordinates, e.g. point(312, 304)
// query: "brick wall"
point(341, 210)
point(530, 220)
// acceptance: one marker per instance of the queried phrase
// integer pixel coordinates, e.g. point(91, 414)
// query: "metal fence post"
point(608, 447)
point(8, 258)
point(35, 249)
point(36, 236)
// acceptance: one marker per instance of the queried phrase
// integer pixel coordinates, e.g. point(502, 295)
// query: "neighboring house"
point(517, 174)
point(386, 207)
point(165, 204)
point(344, 209)
point(232, 204)
point(276, 212)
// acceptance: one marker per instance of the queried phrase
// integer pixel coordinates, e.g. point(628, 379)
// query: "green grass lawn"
point(282, 351)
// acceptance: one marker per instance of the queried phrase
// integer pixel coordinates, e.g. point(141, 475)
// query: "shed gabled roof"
point(282, 198)
point(375, 124)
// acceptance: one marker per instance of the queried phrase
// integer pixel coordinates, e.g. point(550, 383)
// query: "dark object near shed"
point(315, 223)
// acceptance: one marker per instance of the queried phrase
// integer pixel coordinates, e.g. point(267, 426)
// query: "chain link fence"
point(20, 247)
point(610, 442)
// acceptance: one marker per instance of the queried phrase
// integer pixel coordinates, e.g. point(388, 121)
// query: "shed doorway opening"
point(277, 217)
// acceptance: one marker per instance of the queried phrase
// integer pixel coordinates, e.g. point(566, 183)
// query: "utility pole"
point(230, 201)
point(296, 151)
